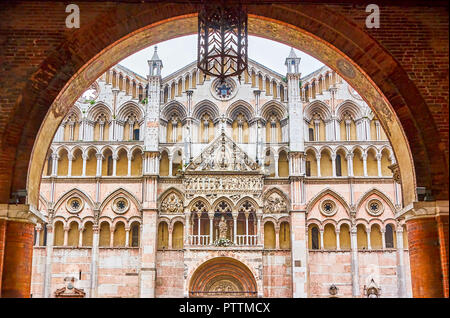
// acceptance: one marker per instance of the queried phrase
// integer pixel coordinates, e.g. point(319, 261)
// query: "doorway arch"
point(222, 277)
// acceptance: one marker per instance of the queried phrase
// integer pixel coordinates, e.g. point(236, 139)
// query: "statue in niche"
point(223, 228)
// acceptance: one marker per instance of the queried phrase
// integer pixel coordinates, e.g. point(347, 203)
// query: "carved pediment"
point(223, 154)
point(172, 203)
point(69, 291)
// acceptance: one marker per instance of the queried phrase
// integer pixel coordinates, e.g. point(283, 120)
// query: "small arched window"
point(338, 166)
point(311, 134)
point(135, 235)
point(136, 134)
point(389, 236)
point(315, 238)
point(109, 171)
point(308, 168)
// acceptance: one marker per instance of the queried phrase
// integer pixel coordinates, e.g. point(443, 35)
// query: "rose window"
point(120, 205)
point(74, 205)
point(374, 207)
point(328, 207)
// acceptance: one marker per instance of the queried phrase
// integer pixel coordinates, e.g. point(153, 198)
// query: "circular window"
point(328, 207)
point(374, 207)
point(120, 205)
point(223, 90)
point(74, 205)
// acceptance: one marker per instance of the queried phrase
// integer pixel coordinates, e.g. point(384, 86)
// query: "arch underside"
point(258, 25)
point(222, 277)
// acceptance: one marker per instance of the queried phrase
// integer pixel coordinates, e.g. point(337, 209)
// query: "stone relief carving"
point(172, 204)
point(275, 204)
point(223, 155)
point(222, 183)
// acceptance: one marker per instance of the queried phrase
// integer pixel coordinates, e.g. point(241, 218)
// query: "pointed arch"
point(203, 200)
point(97, 109)
point(378, 193)
point(349, 107)
point(324, 192)
point(319, 107)
point(173, 107)
point(72, 192)
point(273, 106)
point(117, 192)
point(128, 108)
point(272, 190)
point(223, 198)
point(240, 106)
point(205, 106)
point(168, 192)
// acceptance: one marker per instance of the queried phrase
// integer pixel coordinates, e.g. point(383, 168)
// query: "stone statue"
point(222, 228)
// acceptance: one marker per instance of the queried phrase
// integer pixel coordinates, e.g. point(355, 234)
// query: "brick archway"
point(48, 67)
point(222, 277)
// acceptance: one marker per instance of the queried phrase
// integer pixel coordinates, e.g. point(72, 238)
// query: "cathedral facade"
point(269, 185)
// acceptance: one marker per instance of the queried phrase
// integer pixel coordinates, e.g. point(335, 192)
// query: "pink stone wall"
point(277, 274)
point(169, 274)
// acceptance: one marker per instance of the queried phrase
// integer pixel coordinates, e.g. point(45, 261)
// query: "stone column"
point(383, 238)
point(85, 158)
point(318, 165)
point(258, 228)
point(147, 274)
point(99, 157)
point(170, 229)
point(69, 169)
point(364, 158)
point(127, 236)
point(48, 262)
point(354, 265)
point(130, 157)
point(338, 240)
point(66, 235)
point(80, 237)
point(170, 165)
point(187, 229)
point(111, 238)
point(94, 260)
point(115, 158)
point(277, 237)
point(333, 164)
point(401, 279)
point(235, 216)
point(427, 248)
point(350, 164)
point(322, 245)
point(378, 156)
point(275, 158)
point(246, 228)
point(369, 245)
point(299, 254)
point(38, 234)
point(211, 229)
point(55, 158)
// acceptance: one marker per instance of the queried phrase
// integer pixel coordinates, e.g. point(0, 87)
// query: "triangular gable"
point(223, 154)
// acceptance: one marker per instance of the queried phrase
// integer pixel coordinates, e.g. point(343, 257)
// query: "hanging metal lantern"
point(222, 39)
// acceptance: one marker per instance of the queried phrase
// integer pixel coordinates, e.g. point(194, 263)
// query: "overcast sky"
point(177, 53)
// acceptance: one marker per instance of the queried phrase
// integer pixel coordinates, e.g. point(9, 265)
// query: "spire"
point(155, 56)
point(292, 54)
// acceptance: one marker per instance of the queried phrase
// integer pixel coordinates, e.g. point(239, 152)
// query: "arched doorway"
point(222, 277)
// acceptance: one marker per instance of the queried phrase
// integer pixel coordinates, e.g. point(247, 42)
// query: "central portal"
point(222, 277)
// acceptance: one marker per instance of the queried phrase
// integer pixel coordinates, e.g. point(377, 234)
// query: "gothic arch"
point(208, 107)
point(168, 192)
point(116, 193)
point(319, 107)
point(272, 190)
point(97, 109)
point(273, 106)
point(128, 108)
point(377, 193)
point(73, 192)
point(349, 107)
point(330, 192)
point(240, 106)
point(173, 107)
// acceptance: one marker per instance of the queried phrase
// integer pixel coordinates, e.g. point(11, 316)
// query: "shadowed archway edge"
point(387, 71)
